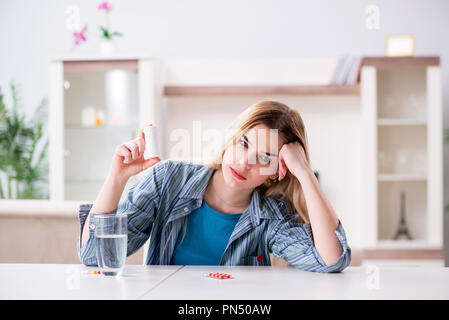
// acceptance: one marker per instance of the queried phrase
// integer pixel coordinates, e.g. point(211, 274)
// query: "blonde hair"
point(288, 122)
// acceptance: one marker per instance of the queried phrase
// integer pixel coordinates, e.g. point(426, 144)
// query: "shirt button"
point(186, 209)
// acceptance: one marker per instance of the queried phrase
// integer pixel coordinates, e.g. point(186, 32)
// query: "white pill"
point(151, 149)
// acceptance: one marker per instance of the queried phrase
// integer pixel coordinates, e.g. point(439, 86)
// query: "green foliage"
point(108, 35)
point(19, 157)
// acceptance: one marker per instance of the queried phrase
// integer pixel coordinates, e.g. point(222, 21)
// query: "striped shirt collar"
point(261, 207)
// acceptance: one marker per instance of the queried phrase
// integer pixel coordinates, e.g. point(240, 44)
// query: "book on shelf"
point(338, 70)
point(353, 76)
point(347, 70)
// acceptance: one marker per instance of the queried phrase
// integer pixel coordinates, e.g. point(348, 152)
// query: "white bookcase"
point(123, 91)
point(402, 123)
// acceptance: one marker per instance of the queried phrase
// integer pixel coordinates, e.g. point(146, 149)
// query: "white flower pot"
point(107, 47)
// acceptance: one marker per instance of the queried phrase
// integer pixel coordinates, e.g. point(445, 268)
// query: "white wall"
point(31, 32)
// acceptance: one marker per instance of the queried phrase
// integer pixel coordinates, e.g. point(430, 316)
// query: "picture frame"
point(402, 45)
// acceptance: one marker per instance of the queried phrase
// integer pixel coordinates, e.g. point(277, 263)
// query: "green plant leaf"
point(105, 32)
point(118, 34)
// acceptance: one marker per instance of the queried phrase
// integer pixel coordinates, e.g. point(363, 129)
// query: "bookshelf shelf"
point(401, 62)
point(402, 177)
point(173, 91)
point(405, 244)
point(400, 122)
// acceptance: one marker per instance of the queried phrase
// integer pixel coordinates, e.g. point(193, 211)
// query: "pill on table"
point(218, 275)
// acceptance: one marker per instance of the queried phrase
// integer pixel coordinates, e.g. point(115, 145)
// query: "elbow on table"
point(315, 263)
point(339, 265)
point(89, 260)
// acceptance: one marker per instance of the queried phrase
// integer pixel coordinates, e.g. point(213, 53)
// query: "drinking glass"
point(111, 241)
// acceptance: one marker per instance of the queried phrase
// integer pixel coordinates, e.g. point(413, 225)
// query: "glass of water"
point(112, 237)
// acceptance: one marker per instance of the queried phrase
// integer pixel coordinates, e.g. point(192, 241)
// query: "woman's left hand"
point(292, 157)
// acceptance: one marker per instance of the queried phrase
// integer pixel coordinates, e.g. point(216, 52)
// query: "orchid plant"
point(106, 32)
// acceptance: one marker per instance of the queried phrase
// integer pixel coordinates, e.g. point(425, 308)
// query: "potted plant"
point(107, 45)
point(22, 162)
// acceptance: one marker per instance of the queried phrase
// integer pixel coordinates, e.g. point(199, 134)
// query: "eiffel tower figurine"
point(402, 228)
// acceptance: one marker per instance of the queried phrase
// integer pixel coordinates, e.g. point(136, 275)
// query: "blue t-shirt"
point(207, 235)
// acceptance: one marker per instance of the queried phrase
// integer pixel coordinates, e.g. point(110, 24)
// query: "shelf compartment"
point(87, 151)
point(389, 207)
point(402, 95)
point(402, 150)
point(87, 189)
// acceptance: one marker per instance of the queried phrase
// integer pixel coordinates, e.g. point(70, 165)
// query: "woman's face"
point(254, 158)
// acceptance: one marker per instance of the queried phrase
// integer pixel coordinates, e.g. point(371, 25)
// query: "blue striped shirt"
point(158, 205)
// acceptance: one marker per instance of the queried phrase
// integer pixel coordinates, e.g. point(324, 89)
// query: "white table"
point(288, 283)
point(76, 281)
point(38, 281)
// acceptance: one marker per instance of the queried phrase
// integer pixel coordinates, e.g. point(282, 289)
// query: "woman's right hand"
point(128, 158)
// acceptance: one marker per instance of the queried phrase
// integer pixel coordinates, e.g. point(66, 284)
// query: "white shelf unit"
point(402, 123)
point(125, 89)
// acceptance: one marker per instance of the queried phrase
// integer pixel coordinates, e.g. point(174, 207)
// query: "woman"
point(258, 196)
